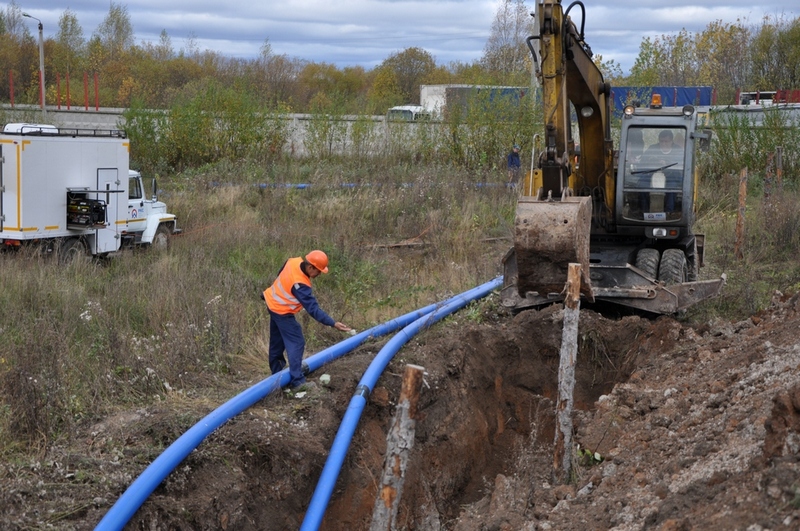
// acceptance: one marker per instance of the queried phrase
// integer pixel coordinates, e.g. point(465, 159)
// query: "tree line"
point(728, 56)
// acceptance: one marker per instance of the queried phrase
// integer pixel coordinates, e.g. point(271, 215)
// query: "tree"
point(274, 78)
point(115, 33)
point(506, 55)
point(69, 43)
point(385, 91)
point(612, 71)
point(163, 49)
point(719, 49)
point(775, 54)
point(646, 68)
point(18, 55)
point(411, 67)
point(317, 79)
point(678, 53)
point(12, 22)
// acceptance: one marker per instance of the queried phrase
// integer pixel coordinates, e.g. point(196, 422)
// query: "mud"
point(678, 427)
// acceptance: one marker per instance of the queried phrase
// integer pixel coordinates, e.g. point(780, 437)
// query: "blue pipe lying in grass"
point(136, 494)
point(330, 472)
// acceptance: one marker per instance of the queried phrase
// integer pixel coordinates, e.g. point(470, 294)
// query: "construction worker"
point(290, 293)
point(513, 164)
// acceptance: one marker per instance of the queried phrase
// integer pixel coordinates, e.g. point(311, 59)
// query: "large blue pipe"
point(330, 472)
point(153, 475)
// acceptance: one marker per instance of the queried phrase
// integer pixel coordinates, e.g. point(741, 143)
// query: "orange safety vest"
point(279, 296)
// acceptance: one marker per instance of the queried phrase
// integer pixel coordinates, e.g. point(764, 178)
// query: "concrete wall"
point(111, 118)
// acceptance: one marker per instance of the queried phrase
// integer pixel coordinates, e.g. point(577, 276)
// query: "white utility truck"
point(71, 192)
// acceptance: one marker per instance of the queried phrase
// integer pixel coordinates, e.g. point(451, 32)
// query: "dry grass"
point(145, 326)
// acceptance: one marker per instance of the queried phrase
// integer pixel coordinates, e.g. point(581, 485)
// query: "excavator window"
point(653, 178)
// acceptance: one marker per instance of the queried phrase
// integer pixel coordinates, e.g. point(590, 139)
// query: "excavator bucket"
point(548, 236)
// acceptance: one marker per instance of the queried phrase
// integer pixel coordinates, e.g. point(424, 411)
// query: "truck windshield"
point(653, 175)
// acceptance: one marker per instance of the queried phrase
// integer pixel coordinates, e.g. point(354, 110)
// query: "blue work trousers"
point(285, 333)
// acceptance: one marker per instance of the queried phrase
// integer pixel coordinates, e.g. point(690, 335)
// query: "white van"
point(407, 113)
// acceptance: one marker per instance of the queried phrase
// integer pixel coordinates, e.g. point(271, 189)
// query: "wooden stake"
point(737, 248)
point(399, 442)
point(768, 180)
point(562, 453)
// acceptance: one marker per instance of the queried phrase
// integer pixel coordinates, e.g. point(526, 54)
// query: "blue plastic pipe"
point(130, 501)
point(333, 465)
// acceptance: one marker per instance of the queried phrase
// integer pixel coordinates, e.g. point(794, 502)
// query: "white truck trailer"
point(71, 192)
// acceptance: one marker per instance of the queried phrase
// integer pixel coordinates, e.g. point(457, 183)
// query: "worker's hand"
point(341, 326)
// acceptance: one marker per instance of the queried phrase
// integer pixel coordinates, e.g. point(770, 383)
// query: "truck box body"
point(439, 99)
point(64, 184)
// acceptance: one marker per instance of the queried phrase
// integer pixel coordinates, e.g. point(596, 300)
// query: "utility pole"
point(41, 65)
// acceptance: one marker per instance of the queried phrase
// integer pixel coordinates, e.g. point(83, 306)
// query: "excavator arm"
point(568, 75)
point(564, 195)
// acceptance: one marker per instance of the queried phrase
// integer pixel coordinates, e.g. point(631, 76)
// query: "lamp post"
point(41, 64)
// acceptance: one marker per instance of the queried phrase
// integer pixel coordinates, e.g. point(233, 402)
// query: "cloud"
point(365, 32)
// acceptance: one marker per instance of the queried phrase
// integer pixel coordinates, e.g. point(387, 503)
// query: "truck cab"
point(147, 221)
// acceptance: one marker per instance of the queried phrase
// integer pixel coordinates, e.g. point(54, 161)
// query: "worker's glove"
point(261, 295)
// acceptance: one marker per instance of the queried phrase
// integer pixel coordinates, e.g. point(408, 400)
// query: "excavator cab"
point(653, 174)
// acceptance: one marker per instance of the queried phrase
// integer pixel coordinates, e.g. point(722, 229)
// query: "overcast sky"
point(365, 32)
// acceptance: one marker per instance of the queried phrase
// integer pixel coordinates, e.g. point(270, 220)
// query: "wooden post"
point(768, 180)
point(399, 442)
point(562, 453)
point(737, 248)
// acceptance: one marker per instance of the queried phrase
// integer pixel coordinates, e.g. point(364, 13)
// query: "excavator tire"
point(647, 260)
point(673, 268)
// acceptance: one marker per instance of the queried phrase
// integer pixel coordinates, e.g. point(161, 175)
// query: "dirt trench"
point(486, 412)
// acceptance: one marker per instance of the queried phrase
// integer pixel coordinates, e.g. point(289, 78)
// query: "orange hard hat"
point(318, 259)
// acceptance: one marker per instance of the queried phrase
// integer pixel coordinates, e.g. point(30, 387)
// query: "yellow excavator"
point(625, 215)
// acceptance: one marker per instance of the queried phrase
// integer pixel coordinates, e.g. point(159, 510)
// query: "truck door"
point(108, 185)
point(137, 214)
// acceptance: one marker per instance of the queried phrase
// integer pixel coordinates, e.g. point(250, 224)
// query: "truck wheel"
point(72, 250)
point(673, 268)
point(161, 238)
point(647, 260)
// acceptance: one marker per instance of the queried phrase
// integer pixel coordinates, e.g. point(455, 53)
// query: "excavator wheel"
point(673, 268)
point(647, 260)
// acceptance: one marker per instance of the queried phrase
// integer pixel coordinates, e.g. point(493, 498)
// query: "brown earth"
point(695, 428)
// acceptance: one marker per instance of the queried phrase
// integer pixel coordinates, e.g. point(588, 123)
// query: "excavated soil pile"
point(678, 428)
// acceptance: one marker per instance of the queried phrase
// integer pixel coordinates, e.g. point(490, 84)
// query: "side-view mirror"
point(703, 139)
point(155, 189)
